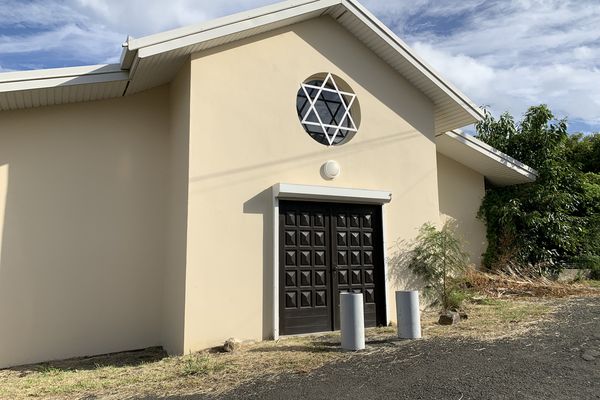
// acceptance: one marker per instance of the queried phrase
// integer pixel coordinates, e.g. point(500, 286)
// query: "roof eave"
point(496, 166)
point(47, 78)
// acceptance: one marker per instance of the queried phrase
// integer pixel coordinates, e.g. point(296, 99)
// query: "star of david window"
point(328, 109)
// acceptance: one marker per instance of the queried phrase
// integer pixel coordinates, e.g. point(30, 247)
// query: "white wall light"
point(331, 170)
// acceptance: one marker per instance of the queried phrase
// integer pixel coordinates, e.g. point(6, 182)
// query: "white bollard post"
point(352, 321)
point(408, 314)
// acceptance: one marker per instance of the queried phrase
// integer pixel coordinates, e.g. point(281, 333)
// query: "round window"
point(328, 109)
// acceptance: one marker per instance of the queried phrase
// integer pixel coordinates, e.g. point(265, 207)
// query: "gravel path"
point(562, 361)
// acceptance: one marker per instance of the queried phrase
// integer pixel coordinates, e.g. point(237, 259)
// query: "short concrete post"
point(352, 321)
point(408, 314)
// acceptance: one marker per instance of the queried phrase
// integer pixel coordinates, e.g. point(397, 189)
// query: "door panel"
point(326, 249)
point(305, 268)
point(358, 259)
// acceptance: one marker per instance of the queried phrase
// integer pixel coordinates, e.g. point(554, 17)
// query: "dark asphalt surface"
point(546, 365)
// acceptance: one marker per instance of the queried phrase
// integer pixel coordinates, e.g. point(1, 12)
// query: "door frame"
point(288, 191)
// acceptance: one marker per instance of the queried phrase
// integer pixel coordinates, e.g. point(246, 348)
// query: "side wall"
point(174, 275)
point(245, 136)
point(461, 190)
point(82, 207)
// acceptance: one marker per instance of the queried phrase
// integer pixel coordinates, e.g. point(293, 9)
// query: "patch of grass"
point(199, 364)
point(456, 298)
point(486, 301)
point(49, 370)
point(512, 312)
point(594, 283)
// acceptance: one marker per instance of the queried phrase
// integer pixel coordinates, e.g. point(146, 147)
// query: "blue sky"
point(505, 54)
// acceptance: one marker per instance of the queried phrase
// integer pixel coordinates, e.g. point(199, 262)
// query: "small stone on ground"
point(449, 318)
point(231, 345)
point(588, 357)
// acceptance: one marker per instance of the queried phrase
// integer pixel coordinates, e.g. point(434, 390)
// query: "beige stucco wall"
point(245, 136)
point(175, 266)
point(82, 227)
point(460, 193)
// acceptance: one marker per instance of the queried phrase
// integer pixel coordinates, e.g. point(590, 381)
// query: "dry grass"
point(126, 375)
point(504, 285)
point(135, 374)
point(492, 319)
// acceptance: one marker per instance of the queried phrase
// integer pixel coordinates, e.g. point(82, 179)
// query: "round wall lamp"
point(331, 169)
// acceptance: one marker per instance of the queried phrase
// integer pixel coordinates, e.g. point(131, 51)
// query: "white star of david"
point(346, 100)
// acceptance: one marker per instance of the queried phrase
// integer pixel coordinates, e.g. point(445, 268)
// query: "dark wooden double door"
point(326, 249)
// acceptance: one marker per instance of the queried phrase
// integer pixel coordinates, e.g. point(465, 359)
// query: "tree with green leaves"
point(583, 152)
point(552, 222)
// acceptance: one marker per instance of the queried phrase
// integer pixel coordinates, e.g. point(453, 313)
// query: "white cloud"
point(465, 72)
point(94, 29)
point(506, 54)
point(514, 54)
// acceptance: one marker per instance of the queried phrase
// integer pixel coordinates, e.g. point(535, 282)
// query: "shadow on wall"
point(398, 273)
point(401, 278)
point(262, 204)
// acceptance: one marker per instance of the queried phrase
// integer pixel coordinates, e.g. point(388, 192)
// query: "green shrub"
point(438, 258)
point(456, 298)
point(588, 261)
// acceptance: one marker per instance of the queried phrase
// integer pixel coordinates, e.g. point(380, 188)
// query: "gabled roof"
point(154, 60)
point(497, 167)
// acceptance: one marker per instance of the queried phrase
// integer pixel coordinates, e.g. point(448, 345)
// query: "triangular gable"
point(154, 60)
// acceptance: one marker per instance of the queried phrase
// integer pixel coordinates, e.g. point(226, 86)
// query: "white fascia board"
point(46, 78)
point(127, 56)
point(328, 193)
point(401, 47)
point(493, 153)
point(172, 40)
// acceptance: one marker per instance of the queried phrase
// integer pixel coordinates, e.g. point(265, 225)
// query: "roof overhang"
point(154, 60)
point(499, 168)
point(26, 89)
